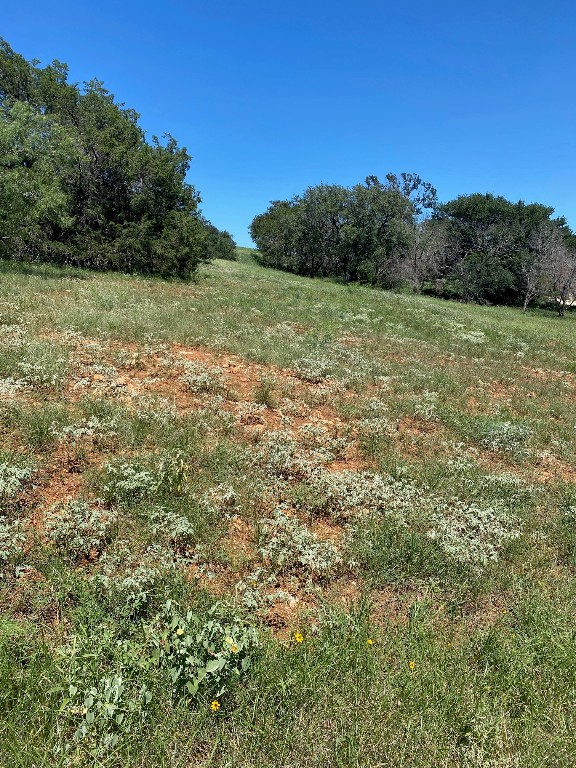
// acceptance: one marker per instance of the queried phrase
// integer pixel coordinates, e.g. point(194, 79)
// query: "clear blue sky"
point(270, 98)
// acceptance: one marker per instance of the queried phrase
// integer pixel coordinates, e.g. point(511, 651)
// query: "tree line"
point(395, 234)
point(80, 184)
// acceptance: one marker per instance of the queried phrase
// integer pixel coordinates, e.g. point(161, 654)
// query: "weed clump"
point(11, 480)
point(200, 379)
point(504, 436)
point(155, 475)
point(78, 529)
point(286, 544)
point(202, 654)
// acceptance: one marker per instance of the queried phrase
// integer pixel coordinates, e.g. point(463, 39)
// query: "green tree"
point(219, 244)
point(36, 160)
point(492, 246)
point(334, 231)
point(105, 198)
point(274, 233)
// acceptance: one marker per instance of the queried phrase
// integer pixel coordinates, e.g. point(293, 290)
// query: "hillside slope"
point(259, 520)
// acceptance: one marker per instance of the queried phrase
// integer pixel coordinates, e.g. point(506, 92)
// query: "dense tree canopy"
point(81, 185)
point(334, 231)
point(219, 244)
point(478, 247)
point(501, 252)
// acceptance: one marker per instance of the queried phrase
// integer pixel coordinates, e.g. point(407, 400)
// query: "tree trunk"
point(526, 302)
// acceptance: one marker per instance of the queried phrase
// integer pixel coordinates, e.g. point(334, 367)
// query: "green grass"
point(425, 448)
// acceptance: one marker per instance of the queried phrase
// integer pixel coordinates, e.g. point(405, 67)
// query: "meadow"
point(263, 520)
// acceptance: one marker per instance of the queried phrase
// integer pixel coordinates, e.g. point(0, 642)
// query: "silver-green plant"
point(286, 543)
point(79, 529)
point(506, 436)
point(200, 379)
point(12, 541)
point(11, 480)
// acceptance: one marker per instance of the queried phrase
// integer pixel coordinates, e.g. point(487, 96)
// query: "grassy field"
point(260, 520)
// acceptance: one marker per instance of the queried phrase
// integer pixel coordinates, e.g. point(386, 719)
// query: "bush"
point(11, 480)
point(78, 529)
point(155, 475)
point(11, 541)
point(286, 543)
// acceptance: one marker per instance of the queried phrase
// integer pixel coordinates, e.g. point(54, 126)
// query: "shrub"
point(91, 427)
point(505, 436)
point(313, 368)
point(471, 534)
point(201, 379)
point(318, 438)
point(78, 529)
point(277, 454)
point(11, 541)
point(176, 528)
point(11, 480)
point(127, 482)
point(134, 584)
point(286, 543)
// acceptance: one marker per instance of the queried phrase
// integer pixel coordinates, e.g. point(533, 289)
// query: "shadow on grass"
point(44, 271)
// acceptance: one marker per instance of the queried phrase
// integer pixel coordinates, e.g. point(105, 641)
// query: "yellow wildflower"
point(215, 706)
point(179, 631)
point(412, 665)
point(299, 637)
point(369, 641)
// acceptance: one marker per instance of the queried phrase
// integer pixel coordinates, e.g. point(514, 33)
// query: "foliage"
point(505, 436)
point(104, 710)
point(178, 529)
point(12, 478)
point(36, 156)
point(126, 482)
point(162, 474)
point(218, 244)
point(333, 231)
point(285, 543)
point(445, 636)
point(78, 529)
point(479, 248)
point(12, 541)
point(202, 654)
point(80, 184)
point(200, 378)
point(493, 247)
point(134, 587)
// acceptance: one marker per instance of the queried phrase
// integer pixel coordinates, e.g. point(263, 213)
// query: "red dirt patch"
point(550, 469)
point(58, 481)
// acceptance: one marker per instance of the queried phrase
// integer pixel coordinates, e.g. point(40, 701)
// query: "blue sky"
point(271, 98)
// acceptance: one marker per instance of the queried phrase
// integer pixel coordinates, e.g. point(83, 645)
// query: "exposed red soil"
point(159, 374)
point(547, 374)
point(58, 480)
point(550, 469)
